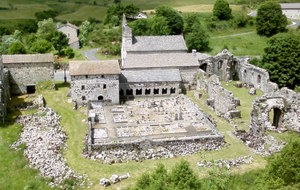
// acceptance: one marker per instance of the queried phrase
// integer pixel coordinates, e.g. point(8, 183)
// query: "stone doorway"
point(30, 89)
point(275, 117)
point(203, 67)
point(100, 97)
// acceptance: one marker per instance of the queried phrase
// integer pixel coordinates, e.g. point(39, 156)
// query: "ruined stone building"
point(25, 71)
point(158, 53)
point(71, 31)
point(95, 80)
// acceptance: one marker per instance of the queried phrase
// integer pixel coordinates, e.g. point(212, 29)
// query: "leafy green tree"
point(281, 59)
point(7, 40)
point(284, 169)
point(218, 179)
point(140, 27)
point(17, 48)
point(118, 10)
point(183, 177)
point(28, 26)
point(222, 10)
point(46, 29)
point(189, 21)
point(59, 41)
point(84, 29)
point(174, 19)
point(41, 46)
point(198, 39)
point(68, 52)
point(159, 26)
point(269, 19)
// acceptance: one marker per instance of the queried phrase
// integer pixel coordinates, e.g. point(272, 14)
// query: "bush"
point(69, 52)
point(41, 46)
point(270, 20)
point(240, 20)
point(17, 48)
point(42, 15)
point(197, 39)
point(222, 10)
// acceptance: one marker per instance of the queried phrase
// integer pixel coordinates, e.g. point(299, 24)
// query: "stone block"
point(235, 114)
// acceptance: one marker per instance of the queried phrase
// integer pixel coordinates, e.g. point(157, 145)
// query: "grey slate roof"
point(155, 75)
point(27, 58)
point(163, 60)
point(158, 43)
point(94, 67)
point(290, 6)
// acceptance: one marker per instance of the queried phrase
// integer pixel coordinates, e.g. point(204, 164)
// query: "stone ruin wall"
point(4, 92)
point(189, 77)
point(227, 67)
point(287, 104)
point(220, 99)
point(94, 87)
point(24, 74)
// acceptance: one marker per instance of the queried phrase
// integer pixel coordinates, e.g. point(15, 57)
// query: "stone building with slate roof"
point(159, 53)
point(25, 71)
point(135, 83)
point(95, 80)
point(71, 31)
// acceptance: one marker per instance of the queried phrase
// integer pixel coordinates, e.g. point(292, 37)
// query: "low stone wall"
point(145, 149)
point(4, 92)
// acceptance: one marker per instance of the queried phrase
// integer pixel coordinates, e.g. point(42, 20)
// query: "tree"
point(28, 26)
point(140, 27)
point(17, 48)
point(222, 10)
point(269, 19)
point(281, 59)
point(46, 29)
point(118, 10)
point(84, 29)
point(159, 26)
point(174, 19)
point(41, 46)
point(182, 177)
point(197, 39)
point(59, 42)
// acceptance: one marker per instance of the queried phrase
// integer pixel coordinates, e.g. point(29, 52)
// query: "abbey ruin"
point(136, 107)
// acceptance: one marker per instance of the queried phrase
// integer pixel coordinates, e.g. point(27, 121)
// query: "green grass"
point(76, 130)
point(85, 12)
point(247, 43)
point(246, 103)
point(15, 173)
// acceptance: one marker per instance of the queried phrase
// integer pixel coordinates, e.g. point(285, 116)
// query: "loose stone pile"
point(226, 163)
point(141, 151)
point(113, 179)
point(264, 145)
point(44, 141)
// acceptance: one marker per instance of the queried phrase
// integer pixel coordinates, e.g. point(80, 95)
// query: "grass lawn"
point(246, 42)
point(85, 12)
point(76, 130)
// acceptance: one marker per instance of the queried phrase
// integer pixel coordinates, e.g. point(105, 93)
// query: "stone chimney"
point(194, 52)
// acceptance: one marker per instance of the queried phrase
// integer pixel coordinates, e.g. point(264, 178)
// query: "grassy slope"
point(76, 129)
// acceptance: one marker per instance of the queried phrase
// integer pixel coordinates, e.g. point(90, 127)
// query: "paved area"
point(90, 54)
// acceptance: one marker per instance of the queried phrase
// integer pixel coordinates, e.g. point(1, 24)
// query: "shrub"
point(41, 46)
point(173, 18)
point(17, 48)
point(240, 20)
point(222, 10)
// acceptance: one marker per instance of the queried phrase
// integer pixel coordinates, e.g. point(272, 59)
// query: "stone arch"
point(203, 67)
point(275, 116)
point(258, 79)
point(100, 98)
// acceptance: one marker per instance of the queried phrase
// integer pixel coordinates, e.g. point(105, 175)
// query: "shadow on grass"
point(59, 85)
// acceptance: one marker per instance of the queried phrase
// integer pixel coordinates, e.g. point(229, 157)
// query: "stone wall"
point(22, 75)
point(286, 112)
point(227, 67)
point(125, 89)
point(220, 99)
point(97, 87)
point(4, 92)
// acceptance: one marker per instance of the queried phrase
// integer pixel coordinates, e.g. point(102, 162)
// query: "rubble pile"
point(138, 152)
point(263, 145)
point(44, 141)
point(113, 179)
point(226, 163)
